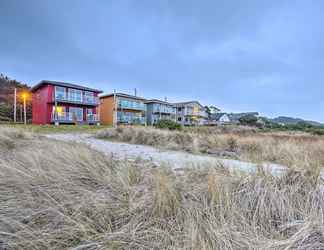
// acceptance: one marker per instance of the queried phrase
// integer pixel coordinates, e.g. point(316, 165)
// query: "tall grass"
point(56, 195)
point(290, 149)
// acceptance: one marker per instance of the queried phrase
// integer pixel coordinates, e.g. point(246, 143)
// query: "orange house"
point(122, 108)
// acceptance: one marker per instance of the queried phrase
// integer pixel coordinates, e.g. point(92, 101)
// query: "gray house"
point(159, 110)
point(191, 113)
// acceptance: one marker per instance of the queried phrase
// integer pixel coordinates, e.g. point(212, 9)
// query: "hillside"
point(7, 87)
point(293, 121)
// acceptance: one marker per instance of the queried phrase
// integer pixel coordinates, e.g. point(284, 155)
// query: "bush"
point(168, 124)
point(248, 120)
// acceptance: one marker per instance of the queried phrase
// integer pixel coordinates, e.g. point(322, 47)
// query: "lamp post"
point(24, 95)
point(15, 106)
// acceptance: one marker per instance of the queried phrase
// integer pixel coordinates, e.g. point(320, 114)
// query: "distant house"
point(120, 108)
point(61, 102)
point(191, 113)
point(219, 118)
point(159, 110)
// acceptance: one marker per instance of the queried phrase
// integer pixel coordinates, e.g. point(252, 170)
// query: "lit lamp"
point(24, 96)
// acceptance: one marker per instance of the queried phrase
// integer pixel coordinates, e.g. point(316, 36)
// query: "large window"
point(130, 117)
point(77, 113)
point(89, 97)
point(60, 93)
point(130, 104)
point(75, 95)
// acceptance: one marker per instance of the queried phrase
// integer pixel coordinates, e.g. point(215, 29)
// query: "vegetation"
point(57, 195)
point(300, 126)
point(168, 124)
point(250, 120)
point(297, 150)
point(44, 129)
point(7, 87)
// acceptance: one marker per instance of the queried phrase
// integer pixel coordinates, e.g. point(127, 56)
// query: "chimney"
point(165, 99)
point(135, 92)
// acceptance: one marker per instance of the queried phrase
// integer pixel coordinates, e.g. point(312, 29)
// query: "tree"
point(208, 111)
point(250, 120)
point(7, 87)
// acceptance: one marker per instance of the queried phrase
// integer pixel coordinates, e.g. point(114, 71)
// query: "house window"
point(77, 113)
point(179, 119)
point(90, 115)
point(75, 95)
point(59, 93)
point(59, 113)
point(179, 109)
point(89, 97)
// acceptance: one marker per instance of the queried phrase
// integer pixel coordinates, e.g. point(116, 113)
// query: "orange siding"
point(106, 110)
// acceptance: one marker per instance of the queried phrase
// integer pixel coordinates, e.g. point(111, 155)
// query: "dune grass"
point(296, 150)
point(56, 195)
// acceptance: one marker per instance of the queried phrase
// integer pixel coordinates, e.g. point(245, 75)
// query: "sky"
point(238, 55)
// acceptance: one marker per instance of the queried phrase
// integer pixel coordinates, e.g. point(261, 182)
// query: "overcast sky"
point(265, 56)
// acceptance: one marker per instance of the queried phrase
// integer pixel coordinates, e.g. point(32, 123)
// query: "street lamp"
point(24, 96)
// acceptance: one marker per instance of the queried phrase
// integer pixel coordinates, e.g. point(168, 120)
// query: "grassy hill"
point(293, 121)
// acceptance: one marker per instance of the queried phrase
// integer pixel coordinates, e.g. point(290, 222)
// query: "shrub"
point(248, 120)
point(168, 124)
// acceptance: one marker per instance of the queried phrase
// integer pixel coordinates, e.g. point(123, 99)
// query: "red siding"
point(41, 107)
point(42, 101)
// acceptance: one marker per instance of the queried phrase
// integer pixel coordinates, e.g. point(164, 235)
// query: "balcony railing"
point(131, 105)
point(93, 118)
point(71, 117)
point(73, 99)
point(196, 113)
point(131, 120)
point(164, 110)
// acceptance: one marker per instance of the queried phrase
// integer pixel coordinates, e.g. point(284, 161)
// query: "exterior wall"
point(149, 113)
point(154, 115)
point(106, 109)
point(43, 102)
point(41, 111)
point(190, 114)
point(224, 118)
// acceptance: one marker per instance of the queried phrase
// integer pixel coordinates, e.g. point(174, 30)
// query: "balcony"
point(196, 113)
point(164, 110)
point(83, 99)
point(131, 105)
point(70, 117)
point(131, 120)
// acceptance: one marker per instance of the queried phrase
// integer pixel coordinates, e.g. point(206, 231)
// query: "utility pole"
point(15, 106)
point(115, 110)
point(25, 116)
point(21, 112)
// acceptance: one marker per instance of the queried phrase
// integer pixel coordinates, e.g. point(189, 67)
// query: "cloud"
point(258, 55)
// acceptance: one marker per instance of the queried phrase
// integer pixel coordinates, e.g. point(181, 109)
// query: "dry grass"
point(291, 149)
point(56, 195)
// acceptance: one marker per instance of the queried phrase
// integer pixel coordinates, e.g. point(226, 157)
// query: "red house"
point(60, 102)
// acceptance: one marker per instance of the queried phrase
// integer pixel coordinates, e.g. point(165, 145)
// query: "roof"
point(158, 101)
point(122, 95)
point(63, 84)
point(189, 102)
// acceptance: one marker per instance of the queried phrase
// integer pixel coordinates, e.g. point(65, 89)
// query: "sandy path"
point(175, 159)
